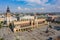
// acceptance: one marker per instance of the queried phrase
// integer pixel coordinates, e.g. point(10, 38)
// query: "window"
point(41, 22)
point(17, 30)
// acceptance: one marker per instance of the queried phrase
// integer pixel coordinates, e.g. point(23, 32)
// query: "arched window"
point(17, 30)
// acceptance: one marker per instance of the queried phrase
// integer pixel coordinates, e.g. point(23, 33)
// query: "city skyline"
point(30, 5)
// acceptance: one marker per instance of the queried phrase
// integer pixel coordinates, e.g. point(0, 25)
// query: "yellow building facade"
point(27, 25)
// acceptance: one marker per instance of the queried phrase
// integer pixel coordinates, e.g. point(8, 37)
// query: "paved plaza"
point(35, 34)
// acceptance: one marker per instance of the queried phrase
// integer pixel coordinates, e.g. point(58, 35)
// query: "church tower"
point(8, 13)
point(8, 16)
point(8, 10)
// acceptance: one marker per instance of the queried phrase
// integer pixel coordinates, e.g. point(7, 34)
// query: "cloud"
point(29, 9)
point(58, 7)
point(35, 1)
point(39, 2)
point(19, 8)
point(52, 5)
point(39, 8)
point(26, 8)
point(42, 8)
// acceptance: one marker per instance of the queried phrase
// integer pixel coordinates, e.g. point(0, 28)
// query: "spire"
point(8, 10)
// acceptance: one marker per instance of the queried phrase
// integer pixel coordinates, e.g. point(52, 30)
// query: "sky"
point(30, 5)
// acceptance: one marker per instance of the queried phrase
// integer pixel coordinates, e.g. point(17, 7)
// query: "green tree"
point(1, 24)
point(17, 16)
point(17, 39)
point(11, 26)
point(1, 38)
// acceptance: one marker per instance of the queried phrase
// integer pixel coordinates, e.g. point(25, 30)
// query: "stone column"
point(31, 23)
